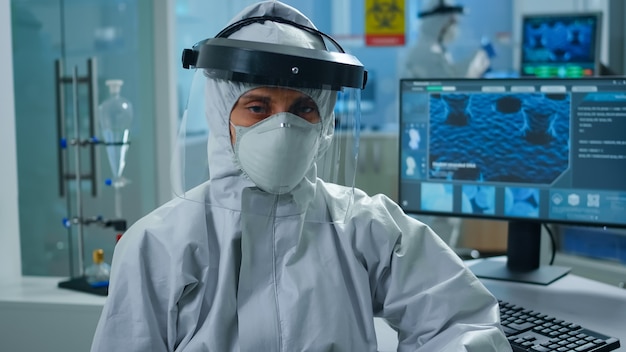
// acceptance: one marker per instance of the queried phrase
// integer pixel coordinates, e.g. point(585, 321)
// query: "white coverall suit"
point(206, 273)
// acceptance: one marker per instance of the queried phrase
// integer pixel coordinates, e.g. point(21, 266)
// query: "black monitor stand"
point(523, 254)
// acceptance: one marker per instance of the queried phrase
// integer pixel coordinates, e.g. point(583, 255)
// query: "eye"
point(306, 109)
point(250, 110)
point(257, 109)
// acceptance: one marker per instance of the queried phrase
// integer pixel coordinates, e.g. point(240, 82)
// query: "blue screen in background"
point(560, 45)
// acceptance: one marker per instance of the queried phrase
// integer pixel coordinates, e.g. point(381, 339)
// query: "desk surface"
point(37, 289)
point(594, 305)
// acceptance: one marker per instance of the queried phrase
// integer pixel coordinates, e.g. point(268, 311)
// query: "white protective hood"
point(192, 276)
point(219, 96)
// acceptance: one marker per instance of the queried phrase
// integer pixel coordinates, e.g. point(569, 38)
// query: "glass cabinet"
point(63, 52)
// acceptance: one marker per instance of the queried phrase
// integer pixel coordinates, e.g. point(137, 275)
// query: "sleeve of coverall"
point(135, 314)
point(430, 298)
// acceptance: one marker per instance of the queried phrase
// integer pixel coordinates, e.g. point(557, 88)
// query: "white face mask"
point(277, 152)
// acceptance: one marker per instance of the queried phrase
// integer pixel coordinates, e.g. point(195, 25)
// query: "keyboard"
point(532, 331)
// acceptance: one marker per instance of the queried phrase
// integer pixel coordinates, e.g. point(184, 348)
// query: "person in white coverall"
point(265, 255)
point(430, 58)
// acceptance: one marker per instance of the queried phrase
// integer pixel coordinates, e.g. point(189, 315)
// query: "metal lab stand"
point(69, 150)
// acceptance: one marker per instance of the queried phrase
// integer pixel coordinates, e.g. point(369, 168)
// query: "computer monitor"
point(528, 151)
point(561, 45)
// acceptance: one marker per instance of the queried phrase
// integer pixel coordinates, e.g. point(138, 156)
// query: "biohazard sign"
point(384, 22)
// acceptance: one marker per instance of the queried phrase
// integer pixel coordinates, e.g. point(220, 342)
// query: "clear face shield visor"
point(263, 123)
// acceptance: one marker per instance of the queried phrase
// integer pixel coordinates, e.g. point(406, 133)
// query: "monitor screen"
point(527, 150)
point(561, 45)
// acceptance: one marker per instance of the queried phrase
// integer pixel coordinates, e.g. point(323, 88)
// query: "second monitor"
point(561, 45)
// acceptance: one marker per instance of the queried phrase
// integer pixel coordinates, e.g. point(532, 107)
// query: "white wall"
point(10, 259)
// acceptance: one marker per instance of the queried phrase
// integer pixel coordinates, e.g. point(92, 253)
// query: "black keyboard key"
point(585, 347)
point(539, 348)
point(521, 327)
point(508, 331)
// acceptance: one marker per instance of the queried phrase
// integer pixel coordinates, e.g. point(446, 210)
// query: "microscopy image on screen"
point(414, 136)
point(412, 166)
point(521, 202)
point(507, 137)
point(436, 197)
point(413, 145)
point(478, 199)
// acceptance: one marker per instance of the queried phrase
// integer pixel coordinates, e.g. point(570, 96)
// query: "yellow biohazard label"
point(384, 22)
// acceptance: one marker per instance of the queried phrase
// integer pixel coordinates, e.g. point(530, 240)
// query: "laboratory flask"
point(115, 116)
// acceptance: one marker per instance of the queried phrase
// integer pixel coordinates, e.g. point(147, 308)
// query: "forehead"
point(274, 94)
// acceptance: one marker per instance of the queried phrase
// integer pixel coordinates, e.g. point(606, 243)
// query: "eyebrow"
point(304, 99)
point(252, 97)
point(246, 98)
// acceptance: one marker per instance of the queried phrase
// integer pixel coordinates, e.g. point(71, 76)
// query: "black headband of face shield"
point(442, 9)
point(226, 32)
point(275, 64)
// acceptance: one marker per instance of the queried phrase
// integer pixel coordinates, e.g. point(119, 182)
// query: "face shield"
point(280, 113)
